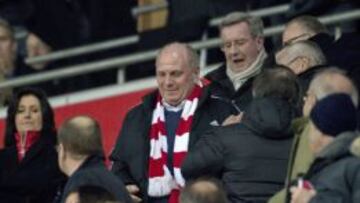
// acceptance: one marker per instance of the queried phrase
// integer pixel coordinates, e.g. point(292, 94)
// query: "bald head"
point(327, 82)
point(179, 51)
point(333, 81)
point(81, 135)
point(85, 124)
point(203, 191)
point(204, 187)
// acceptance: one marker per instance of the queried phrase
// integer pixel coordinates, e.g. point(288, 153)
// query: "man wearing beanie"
point(334, 176)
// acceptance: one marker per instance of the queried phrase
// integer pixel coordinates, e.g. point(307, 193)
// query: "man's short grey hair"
point(323, 84)
point(192, 57)
point(256, 25)
point(306, 49)
point(310, 24)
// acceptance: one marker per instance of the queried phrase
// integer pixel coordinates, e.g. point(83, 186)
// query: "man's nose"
point(234, 50)
point(168, 80)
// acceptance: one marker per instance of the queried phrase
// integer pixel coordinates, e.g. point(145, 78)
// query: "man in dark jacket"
point(80, 158)
point(157, 133)
point(334, 176)
point(325, 83)
point(310, 28)
point(251, 157)
point(243, 47)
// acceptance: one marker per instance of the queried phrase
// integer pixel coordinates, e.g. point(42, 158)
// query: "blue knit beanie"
point(334, 114)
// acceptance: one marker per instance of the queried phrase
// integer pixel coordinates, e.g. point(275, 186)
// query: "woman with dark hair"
point(28, 164)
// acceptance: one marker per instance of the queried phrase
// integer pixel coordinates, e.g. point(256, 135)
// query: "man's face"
point(315, 139)
point(294, 33)
point(174, 76)
point(296, 64)
point(239, 46)
point(7, 51)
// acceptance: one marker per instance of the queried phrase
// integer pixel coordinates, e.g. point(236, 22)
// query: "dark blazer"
point(93, 172)
point(131, 153)
point(251, 157)
point(35, 179)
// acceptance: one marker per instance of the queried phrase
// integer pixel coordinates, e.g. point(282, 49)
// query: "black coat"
point(131, 153)
point(251, 157)
point(222, 89)
point(35, 179)
point(335, 173)
point(93, 172)
point(349, 47)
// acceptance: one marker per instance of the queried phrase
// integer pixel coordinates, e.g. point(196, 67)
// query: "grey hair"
point(256, 25)
point(310, 24)
point(306, 49)
point(191, 55)
point(323, 84)
point(5, 24)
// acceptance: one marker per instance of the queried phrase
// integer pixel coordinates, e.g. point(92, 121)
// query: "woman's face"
point(28, 114)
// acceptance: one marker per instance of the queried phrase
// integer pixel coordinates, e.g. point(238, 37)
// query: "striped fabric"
point(161, 182)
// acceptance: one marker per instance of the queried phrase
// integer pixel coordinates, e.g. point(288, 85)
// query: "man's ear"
point(197, 71)
point(259, 43)
point(305, 63)
point(14, 47)
point(196, 74)
point(61, 150)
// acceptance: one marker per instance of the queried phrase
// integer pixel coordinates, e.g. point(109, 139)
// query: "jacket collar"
point(299, 124)
point(92, 160)
point(339, 147)
point(37, 148)
point(355, 147)
point(269, 117)
point(219, 77)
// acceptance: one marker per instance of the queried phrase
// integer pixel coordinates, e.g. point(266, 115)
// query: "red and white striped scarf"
point(161, 182)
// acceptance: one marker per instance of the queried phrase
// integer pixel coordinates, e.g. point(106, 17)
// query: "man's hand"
point(232, 119)
point(301, 195)
point(133, 190)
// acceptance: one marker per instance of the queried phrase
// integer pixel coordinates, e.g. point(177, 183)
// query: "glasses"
point(296, 39)
point(292, 61)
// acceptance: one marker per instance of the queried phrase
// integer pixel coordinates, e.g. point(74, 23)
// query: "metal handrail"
point(259, 13)
point(86, 49)
point(109, 44)
point(148, 55)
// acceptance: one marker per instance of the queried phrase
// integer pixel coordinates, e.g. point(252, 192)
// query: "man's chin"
point(238, 68)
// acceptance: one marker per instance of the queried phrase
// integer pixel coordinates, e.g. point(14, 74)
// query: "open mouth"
point(237, 61)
